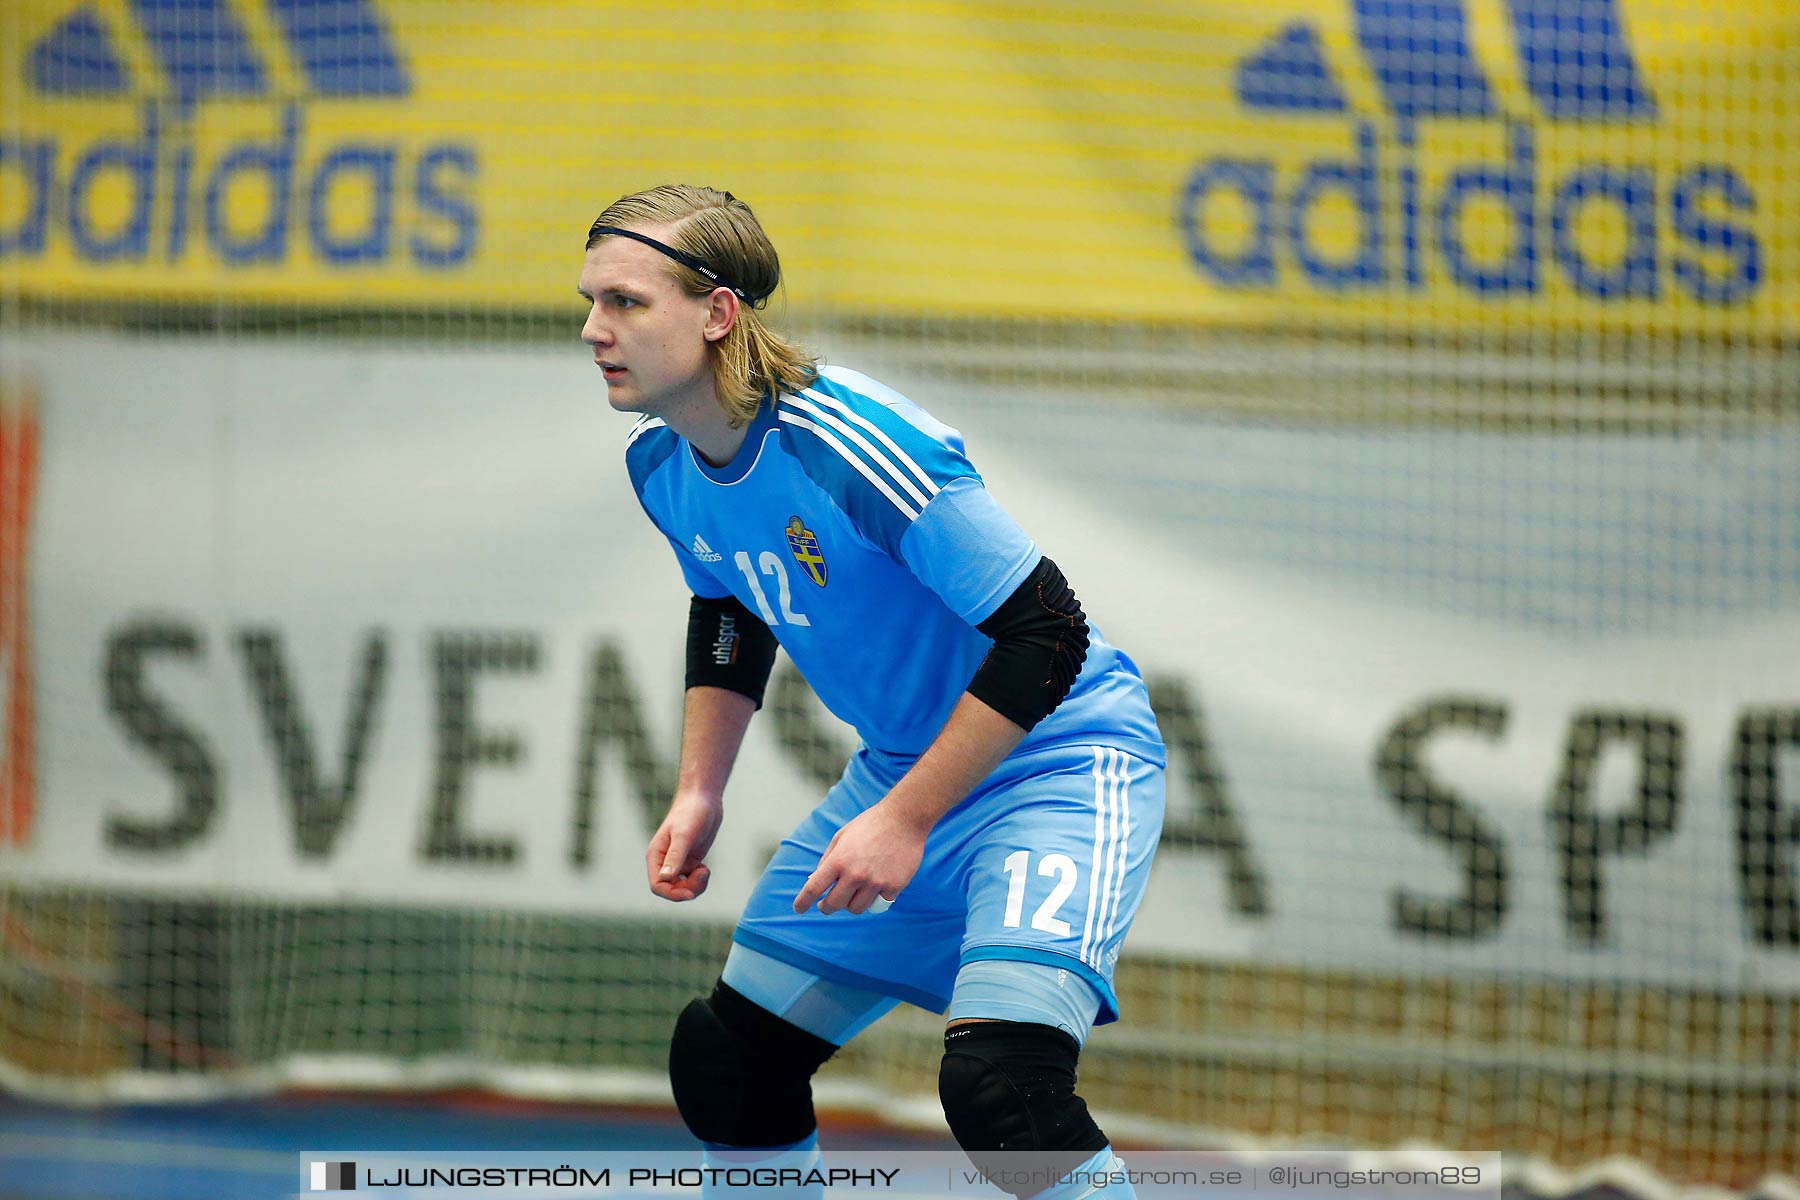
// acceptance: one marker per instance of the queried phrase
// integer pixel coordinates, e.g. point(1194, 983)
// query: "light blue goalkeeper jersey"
point(856, 527)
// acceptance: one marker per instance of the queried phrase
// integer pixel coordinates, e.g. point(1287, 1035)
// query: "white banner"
point(343, 623)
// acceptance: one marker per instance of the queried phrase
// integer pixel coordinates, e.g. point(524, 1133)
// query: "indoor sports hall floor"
point(250, 1149)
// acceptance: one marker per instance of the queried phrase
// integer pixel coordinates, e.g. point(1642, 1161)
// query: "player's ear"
point(721, 314)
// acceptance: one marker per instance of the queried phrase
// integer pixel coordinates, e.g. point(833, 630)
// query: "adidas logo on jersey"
point(704, 552)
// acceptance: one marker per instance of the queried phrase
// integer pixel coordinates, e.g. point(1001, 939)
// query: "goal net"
point(1409, 386)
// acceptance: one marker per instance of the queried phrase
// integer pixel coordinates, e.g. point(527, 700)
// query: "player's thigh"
point(1057, 874)
point(823, 1007)
point(907, 951)
point(1024, 992)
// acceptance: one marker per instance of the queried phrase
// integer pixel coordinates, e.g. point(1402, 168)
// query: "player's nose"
point(593, 330)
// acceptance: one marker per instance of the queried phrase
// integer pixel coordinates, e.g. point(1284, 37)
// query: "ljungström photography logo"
point(334, 1177)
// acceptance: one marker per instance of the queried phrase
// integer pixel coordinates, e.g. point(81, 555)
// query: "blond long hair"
point(720, 230)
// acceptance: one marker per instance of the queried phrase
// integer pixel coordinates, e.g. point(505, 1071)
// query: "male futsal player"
point(990, 839)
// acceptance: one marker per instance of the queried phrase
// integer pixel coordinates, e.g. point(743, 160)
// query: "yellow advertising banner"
point(1452, 165)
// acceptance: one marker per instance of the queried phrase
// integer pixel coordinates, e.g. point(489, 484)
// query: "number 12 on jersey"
point(1017, 867)
point(775, 568)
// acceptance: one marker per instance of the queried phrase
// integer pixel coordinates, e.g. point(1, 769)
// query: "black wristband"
point(728, 647)
point(1040, 641)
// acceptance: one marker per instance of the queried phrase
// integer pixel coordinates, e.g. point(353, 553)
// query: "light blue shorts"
point(1045, 862)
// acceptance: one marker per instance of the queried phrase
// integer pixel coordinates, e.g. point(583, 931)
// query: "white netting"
point(1409, 385)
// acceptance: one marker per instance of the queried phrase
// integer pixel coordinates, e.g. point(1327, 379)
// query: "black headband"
point(682, 257)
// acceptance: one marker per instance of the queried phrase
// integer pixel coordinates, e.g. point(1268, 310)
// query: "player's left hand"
point(875, 854)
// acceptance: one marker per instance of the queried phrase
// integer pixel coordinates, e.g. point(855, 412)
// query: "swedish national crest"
point(805, 545)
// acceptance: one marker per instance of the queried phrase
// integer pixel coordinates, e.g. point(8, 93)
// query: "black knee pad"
point(741, 1075)
point(1010, 1086)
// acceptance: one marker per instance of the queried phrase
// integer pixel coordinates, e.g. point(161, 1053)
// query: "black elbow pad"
point(1040, 641)
point(728, 647)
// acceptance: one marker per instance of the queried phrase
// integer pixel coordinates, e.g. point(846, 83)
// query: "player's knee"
point(741, 1075)
point(1010, 1085)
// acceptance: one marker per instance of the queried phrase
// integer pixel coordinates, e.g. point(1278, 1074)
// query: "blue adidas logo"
point(1573, 53)
point(342, 47)
point(407, 202)
point(1687, 226)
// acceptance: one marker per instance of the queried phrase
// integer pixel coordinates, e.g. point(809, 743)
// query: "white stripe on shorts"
point(1098, 888)
point(1122, 848)
point(1109, 881)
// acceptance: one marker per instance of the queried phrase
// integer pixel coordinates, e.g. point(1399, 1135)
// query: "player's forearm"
point(712, 731)
point(1040, 642)
point(729, 655)
point(972, 743)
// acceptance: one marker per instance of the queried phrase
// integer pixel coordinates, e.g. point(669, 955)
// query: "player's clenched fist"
point(874, 855)
point(675, 861)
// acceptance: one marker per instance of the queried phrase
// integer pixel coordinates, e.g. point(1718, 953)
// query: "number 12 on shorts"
point(1017, 867)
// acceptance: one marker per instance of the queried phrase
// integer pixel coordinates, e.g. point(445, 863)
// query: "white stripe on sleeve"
point(883, 438)
point(643, 427)
point(881, 460)
point(826, 437)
